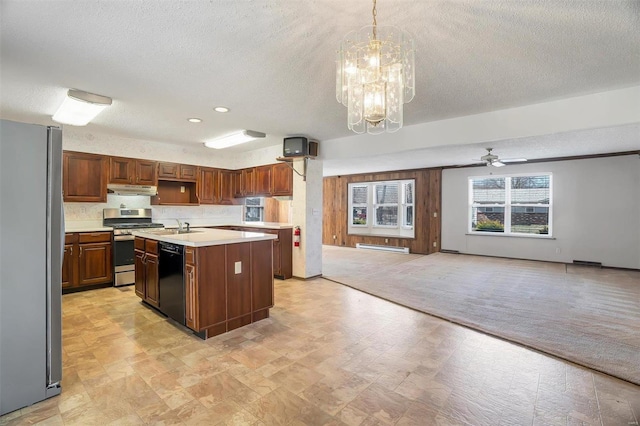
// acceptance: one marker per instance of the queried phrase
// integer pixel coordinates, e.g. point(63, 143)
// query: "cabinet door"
point(238, 283)
point(262, 276)
point(263, 180)
point(152, 279)
point(140, 274)
point(249, 182)
point(238, 184)
point(121, 170)
point(209, 186)
point(188, 172)
point(281, 179)
point(226, 187)
point(191, 297)
point(95, 264)
point(84, 177)
point(168, 170)
point(67, 266)
point(277, 264)
point(146, 172)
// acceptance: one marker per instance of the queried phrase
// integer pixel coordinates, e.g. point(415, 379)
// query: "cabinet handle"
point(80, 251)
point(71, 251)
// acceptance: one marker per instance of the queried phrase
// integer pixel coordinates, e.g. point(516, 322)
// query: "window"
point(510, 205)
point(382, 208)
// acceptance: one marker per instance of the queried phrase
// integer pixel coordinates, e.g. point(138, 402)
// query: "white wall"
point(596, 213)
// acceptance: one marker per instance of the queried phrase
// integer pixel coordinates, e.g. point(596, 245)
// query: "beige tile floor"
point(329, 354)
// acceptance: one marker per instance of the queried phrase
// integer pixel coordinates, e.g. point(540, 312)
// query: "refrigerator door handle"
point(55, 247)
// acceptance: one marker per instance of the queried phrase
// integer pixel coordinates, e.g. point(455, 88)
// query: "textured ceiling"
point(272, 61)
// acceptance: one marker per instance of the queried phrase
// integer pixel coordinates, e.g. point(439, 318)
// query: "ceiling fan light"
point(79, 107)
point(233, 139)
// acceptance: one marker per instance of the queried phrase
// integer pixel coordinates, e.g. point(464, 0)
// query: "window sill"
point(499, 234)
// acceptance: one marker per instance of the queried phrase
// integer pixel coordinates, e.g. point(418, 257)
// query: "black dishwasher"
point(171, 284)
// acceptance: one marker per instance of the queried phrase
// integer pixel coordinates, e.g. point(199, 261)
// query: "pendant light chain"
point(375, 23)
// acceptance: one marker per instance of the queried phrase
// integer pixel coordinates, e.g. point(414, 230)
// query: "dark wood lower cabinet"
point(147, 271)
point(282, 248)
point(88, 260)
point(221, 296)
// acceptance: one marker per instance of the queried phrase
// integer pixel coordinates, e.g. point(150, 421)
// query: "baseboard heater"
point(394, 249)
point(587, 263)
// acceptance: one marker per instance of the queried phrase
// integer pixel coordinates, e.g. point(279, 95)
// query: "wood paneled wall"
point(427, 210)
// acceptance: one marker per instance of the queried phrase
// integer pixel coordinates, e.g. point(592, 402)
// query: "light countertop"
point(96, 225)
point(203, 237)
point(86, 226)
point(263, 225)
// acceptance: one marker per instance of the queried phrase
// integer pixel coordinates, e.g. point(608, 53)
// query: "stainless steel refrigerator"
point(31, 252)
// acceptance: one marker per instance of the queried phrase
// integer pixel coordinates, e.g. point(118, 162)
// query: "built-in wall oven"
point(123, 222)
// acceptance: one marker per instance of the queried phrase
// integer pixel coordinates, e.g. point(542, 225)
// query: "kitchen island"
point(227, 276)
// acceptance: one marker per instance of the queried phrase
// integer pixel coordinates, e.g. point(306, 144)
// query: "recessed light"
point(221, 109)
point(194, 120)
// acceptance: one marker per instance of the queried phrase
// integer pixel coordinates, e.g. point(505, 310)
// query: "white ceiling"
point(272, 63)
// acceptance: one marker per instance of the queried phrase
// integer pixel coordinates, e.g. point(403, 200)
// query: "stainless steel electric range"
point(123, 222)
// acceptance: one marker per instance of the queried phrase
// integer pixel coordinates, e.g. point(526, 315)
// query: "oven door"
point(124, 259)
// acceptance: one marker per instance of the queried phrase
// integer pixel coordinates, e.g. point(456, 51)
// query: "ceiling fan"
point(492, 160)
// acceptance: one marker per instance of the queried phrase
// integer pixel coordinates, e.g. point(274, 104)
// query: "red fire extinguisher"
point(296, 237)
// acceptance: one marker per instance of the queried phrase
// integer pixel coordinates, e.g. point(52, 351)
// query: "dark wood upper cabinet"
point(281, 179)
point(121, 170)
point(146, 172)
point(209, 186)
point(130, 171)
point(188, 172)
point(262, 180)
point(244, 182)
point(175, 171)
point(226, 186)
point(168, 170)
point(84, 177)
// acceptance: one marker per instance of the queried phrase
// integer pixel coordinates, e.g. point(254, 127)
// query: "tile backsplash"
point(166, 214)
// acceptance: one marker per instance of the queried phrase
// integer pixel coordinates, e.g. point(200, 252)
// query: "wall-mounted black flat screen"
point(298, 146)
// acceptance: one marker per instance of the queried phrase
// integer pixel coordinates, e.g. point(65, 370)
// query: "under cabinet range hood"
point(132, 189)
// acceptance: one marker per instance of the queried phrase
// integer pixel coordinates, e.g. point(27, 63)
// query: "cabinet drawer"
point(94, 237)
point(151, 246)
point(70, 238)
point(190, 255)
point(138, 244)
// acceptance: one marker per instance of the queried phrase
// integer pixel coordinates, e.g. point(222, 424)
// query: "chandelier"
point(375, 76)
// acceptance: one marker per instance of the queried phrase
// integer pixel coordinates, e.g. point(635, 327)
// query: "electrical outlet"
point(334, 237)
point(435, 244)
point(558, 250)
point(238, 267)
point(435, 214)
point(182, 189)
point(386, 240)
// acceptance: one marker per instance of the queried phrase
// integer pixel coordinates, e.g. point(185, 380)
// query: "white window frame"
point(401, 229)
point(508, 204)
point(376, 204)
point(356, 205)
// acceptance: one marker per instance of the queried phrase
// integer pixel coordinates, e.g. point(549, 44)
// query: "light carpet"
point(585, 315)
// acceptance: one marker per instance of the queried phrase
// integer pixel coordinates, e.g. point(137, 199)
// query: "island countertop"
point(202, 237)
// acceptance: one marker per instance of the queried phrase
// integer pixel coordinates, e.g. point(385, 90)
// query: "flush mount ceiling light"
point(194, 120)
point(234, 139)
point(375, 76)
point(221, 109)
point(79, 108)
